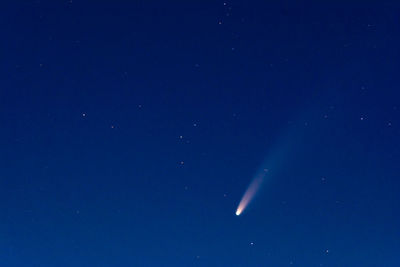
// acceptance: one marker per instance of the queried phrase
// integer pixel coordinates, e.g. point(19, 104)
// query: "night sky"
point(130, 131)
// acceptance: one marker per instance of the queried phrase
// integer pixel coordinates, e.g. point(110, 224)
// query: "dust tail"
point(250, 193)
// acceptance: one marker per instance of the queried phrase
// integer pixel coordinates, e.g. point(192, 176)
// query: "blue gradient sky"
point(131, 129)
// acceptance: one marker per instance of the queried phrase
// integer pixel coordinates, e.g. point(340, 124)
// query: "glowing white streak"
point(250, 193)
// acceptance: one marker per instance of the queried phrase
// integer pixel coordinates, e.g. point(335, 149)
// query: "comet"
point(250, 192)
point(277, 156)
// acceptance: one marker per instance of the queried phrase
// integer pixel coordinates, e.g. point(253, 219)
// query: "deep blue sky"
point(131, 129)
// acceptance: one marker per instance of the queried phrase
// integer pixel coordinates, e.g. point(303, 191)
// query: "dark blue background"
point(130, 130)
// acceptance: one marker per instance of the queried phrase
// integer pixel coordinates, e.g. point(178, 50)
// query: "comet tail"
point(250, 193)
